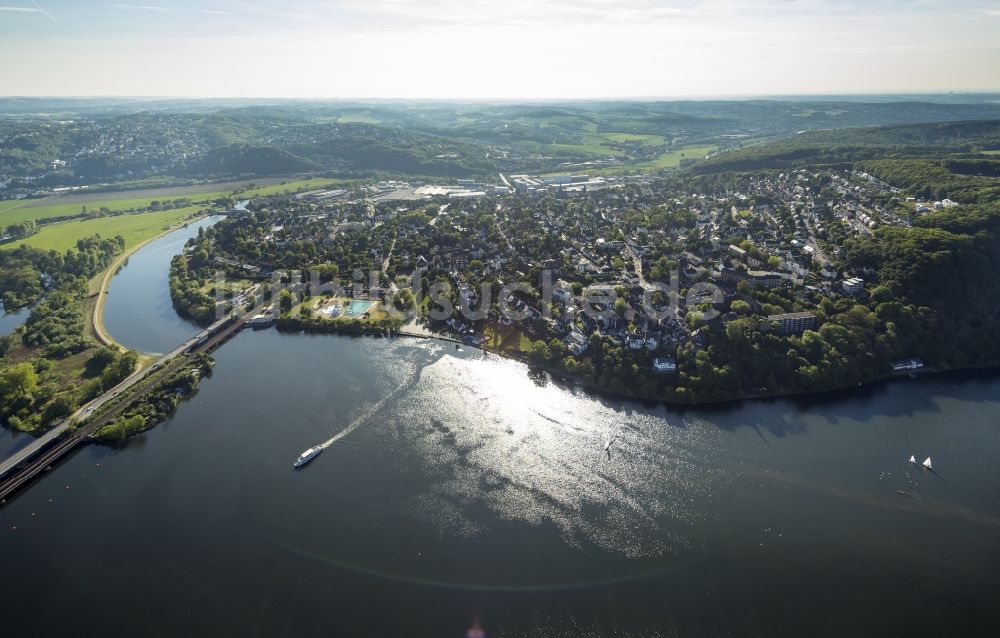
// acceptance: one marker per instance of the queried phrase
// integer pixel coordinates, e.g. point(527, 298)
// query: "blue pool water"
point(358, 307)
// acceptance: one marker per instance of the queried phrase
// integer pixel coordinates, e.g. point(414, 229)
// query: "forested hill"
point(937, 285)
point(51, 143)
point(846, 146)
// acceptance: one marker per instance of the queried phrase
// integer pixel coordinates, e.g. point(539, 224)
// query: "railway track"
point(31, 469)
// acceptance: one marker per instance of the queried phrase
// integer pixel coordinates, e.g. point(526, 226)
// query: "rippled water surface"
point(459, 485)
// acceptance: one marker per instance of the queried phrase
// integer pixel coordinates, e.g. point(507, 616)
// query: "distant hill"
point(241, 159)
point(846, 146)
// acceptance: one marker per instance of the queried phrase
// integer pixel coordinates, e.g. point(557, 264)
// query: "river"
point(11, 440)
point(466, 487)
point(137, 312)
point(9, 322)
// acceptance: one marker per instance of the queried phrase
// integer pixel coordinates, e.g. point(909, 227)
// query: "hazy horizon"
point(474, 50)
point(858, 96)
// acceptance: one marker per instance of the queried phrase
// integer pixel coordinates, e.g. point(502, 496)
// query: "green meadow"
point(357, 118)
point(17, 211)
point(671, 159)
point(134, 228)
point(21, 213)
point(308, 184)
point(646, 139)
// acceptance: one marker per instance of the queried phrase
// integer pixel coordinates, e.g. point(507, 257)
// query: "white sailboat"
point(913, 459)
point(927, 463)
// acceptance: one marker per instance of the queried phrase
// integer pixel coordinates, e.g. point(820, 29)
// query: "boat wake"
point(372, 410)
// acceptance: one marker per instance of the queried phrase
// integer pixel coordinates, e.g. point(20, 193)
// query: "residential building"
point(665, 364)
point(794, 322)
point(852, 286)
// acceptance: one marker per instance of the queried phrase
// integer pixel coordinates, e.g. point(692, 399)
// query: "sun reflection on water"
point(531, 451)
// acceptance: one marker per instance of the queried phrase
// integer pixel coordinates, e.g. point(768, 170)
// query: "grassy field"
point(634, 137)
point(666, 160)
point(59, 210)
point(596, 149)
point(506, 339)
point(134, 228)
point(812, 112)
point(671, 159)
point(357, 118)
point(21, 210)
point(309, 184)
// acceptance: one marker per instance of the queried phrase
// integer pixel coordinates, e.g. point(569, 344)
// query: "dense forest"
point(50, 366)
point(24, 270)
point(962, 180)
point(845, 147)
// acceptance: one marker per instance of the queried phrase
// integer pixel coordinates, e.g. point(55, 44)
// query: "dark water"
point(11, 440)
point(10, 322)
point(465, 489)
point(138, 312)
point(457, 487)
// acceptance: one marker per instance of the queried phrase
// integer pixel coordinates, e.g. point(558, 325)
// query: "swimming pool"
point(357, 308)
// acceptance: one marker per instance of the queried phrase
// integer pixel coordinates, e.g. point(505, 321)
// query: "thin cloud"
point(21, 9)
point(39, 7)
point(158, 9)
point(141, 7)
point(989, 12)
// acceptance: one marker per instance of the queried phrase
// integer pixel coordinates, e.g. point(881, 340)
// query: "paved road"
point(637, 266)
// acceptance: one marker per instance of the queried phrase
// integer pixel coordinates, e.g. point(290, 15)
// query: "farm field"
point(15, 215)
point(671, 159)
point(65, 205)
point(311, 183)
point(634, 137)
point(134, 228)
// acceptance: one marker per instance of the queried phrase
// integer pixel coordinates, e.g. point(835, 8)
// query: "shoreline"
point(728, 403)
point(573, 380)
point(96, 318)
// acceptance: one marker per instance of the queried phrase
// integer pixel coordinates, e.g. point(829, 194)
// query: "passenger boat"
point(308, 455)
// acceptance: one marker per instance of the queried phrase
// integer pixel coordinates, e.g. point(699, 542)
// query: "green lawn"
point(357, 118)
point(673, 158)
point(21, 210)
point(595, 149)
point(309, 184)
point(134, 228)
point(634, 137)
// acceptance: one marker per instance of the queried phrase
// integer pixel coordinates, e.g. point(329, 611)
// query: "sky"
point(496, 49)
